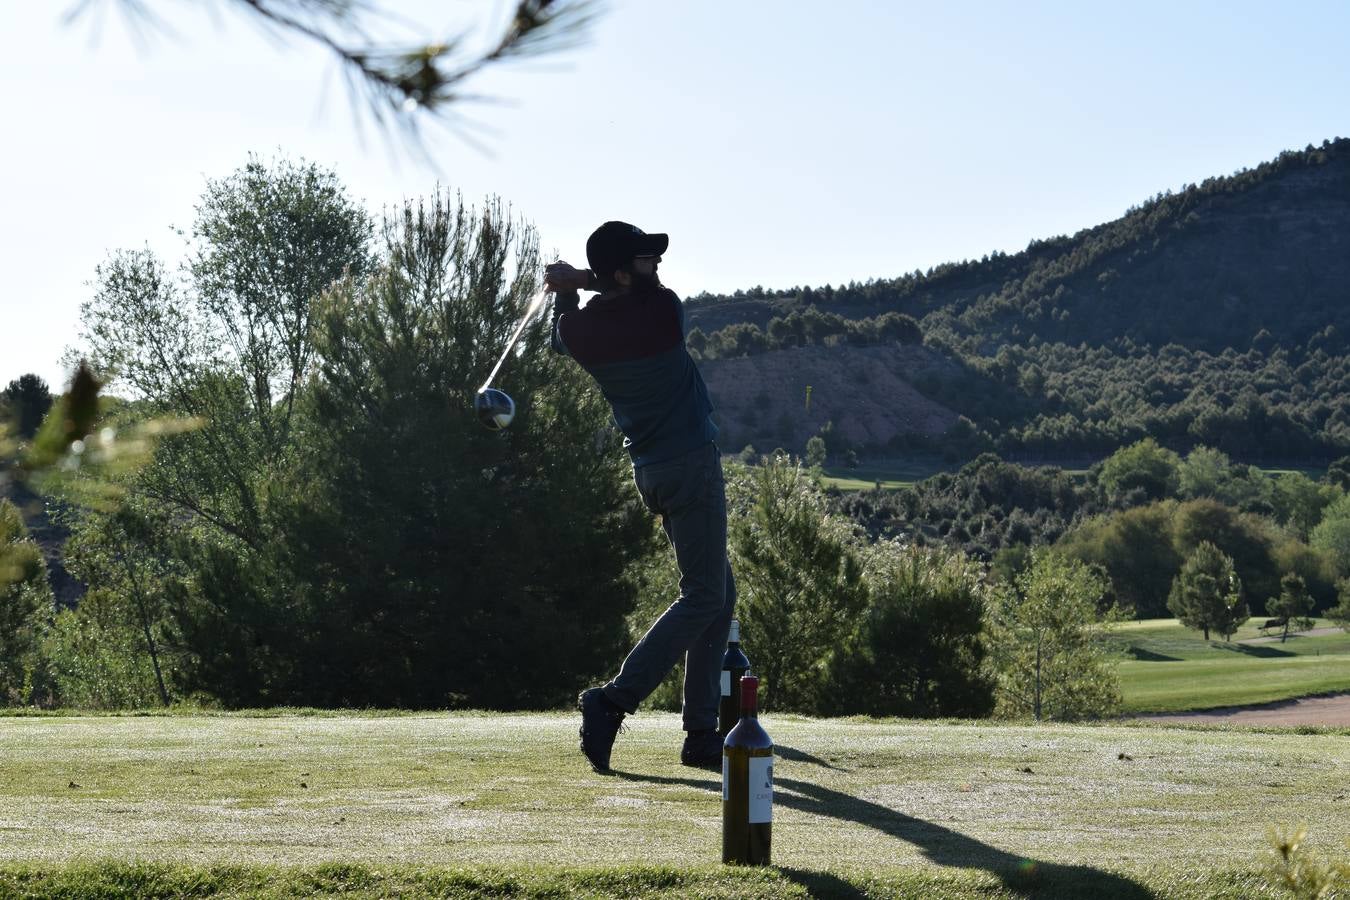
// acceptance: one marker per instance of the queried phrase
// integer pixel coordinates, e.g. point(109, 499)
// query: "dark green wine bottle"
point(747, 785)
point(734, 665)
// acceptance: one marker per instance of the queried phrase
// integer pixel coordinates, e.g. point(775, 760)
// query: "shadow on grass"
point(792, 755)
point(1143, 655)
point(1027, 877)
point(1258, 650)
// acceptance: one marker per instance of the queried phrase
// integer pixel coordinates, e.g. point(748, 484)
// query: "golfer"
point(630, 339)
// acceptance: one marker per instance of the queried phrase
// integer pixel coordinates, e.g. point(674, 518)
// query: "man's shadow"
point(1028, 877)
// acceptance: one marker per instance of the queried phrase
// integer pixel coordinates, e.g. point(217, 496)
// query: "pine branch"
point(399, 86)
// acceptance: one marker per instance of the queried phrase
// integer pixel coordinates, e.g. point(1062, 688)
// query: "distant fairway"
point(1167, 668)
point(890, 474)
point(486, 805)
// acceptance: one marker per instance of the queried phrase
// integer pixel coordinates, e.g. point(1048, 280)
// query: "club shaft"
point(535, 302)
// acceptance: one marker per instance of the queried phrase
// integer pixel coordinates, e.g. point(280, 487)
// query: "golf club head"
point(495, 408)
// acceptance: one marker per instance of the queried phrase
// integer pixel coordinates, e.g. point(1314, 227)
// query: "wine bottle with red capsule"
point(747, 784)
point(734, 665)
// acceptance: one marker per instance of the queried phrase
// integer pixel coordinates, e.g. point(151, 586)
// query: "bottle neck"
point(749, 697)
point(734, 635)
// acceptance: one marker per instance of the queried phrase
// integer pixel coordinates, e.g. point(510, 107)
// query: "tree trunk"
point(1036, 702)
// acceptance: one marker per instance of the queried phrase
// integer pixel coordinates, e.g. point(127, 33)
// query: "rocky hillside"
point(782, 399)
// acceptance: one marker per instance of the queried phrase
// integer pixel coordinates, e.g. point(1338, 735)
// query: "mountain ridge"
point(1169, 294)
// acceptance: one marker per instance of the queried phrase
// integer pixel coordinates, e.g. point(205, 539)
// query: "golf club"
point(495, 408)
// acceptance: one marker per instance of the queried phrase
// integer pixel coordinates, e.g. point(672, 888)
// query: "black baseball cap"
point(615, 244)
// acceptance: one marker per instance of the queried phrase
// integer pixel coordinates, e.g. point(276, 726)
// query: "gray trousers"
point(690, 496)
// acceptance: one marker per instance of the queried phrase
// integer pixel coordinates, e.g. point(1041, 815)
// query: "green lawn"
point(900, 473)
point(892, 474)
point(1167, 668)
point(502, 805)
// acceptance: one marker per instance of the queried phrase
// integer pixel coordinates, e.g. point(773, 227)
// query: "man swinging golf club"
point(630, 339)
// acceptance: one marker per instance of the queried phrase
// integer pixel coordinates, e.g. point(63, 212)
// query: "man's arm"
point(559, 276)
point(563, 302)
point(565, 281)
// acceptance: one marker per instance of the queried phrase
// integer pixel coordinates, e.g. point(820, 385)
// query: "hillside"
point(1218, 314)
point(763, 399)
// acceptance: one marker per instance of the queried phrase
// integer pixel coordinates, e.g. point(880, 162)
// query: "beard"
point(645, 281)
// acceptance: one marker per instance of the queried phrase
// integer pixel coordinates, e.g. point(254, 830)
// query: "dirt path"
point(1332, 710)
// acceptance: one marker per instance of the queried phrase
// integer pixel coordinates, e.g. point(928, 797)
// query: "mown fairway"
point(1167, 668)
point(375, 805)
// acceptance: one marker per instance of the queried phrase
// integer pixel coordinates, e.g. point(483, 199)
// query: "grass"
point(476, 805)
point(892, 474)
point(1168, 668)
point(902, 473)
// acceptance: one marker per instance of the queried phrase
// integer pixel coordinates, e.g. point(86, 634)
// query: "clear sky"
point(779, 143)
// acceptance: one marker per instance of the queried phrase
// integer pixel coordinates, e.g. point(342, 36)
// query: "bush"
point(799, 575)
point(25, 605)
point(1044, 647)
point(918, 649)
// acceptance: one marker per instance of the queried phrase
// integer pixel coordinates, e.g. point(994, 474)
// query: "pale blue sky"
point(779, 143)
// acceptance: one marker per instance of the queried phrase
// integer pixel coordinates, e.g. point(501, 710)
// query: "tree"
point(1143, 469)
point(1332, 534)
point(1204, 473)
point(1136, 550)
point(26, 399)
point(1207, 594)
point(1044, 645)
point(25, 606)
point(1299, 502)
point(1246, 539)
point(401, 84)
point(1338, 473)
point(918, 649)
point(424, 557)
point(800, 579)
point(124, 614)
point(1293, 605)
point(231, 348)
point(815, 452)
point(1340, 613)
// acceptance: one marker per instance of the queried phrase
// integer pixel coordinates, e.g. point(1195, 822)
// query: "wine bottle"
point(747, 784)
point(734, 665)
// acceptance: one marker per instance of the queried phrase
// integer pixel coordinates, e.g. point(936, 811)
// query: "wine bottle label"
point(761, 788)
point(726, 682)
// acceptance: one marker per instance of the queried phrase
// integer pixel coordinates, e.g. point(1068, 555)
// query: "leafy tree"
point(425, 556)
point(1340, 613)
point(918, 649)
point(1294, 605)
point(1332, 534)
point(1043, 643)
point(1204, 473)
point(25, 606)
point(1207, 594)
point(815, 452)
point(1299, 502)
point(799, 575)
point(27, 399)
point(1246, 539)
point(1136, 550)
point(1143, 470)
point(119, 554)
point(232, 347)
point(1338, 473)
